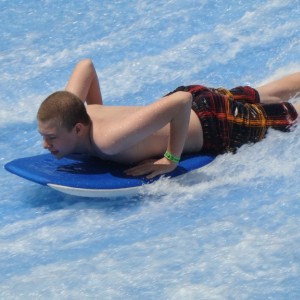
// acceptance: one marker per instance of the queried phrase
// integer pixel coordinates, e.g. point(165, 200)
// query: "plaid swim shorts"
point(232, 118)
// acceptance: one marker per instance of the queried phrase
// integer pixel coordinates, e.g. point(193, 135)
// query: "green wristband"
point(169, 156)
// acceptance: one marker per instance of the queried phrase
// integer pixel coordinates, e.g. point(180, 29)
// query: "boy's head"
point(65, 108)
point(62, 118)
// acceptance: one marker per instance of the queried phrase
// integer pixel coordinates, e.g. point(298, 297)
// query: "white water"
point(228, 231)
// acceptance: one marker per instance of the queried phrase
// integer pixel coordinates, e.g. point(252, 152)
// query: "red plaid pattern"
point(232, 118)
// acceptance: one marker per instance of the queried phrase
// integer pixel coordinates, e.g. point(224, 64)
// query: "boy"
point(190, 119)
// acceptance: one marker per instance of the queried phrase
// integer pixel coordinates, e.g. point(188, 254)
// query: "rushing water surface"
point(227, 231)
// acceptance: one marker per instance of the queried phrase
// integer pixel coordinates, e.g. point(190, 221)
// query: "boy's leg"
point(84, 83)
point(280, 90)
point(297, 107)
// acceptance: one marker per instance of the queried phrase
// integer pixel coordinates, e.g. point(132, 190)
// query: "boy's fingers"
point(160, 170)
point(140, 170)
point(151, 169)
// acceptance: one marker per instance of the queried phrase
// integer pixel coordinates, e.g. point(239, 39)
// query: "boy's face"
point(57, 139)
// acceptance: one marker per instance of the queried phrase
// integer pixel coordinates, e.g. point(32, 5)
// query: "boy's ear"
point(78, 128)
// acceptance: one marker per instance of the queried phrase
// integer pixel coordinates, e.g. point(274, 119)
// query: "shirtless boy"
point(153, 137)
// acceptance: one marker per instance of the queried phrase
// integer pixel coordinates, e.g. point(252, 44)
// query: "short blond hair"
point(64, 106)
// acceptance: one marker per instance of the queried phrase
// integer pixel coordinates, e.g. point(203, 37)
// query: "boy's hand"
point(152, 168)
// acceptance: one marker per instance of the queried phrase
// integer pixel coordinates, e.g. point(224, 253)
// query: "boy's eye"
point(49, 137)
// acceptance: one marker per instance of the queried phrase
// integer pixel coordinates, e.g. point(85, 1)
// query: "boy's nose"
point(46, 144)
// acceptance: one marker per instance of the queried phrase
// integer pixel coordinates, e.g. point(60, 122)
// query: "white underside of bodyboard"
point(96, 193)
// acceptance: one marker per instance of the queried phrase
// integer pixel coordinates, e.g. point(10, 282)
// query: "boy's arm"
point(84, 83)
point(174, 109)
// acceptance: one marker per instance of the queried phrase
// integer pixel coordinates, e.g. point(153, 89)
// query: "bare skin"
point(140, 134)
point(280, 90)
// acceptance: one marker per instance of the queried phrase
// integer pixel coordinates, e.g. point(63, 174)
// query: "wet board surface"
point(89, 176)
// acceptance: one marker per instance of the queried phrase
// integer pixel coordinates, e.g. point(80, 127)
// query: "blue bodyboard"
point(90, 176)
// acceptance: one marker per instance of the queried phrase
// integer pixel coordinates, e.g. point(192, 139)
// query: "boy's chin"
point(58, 155)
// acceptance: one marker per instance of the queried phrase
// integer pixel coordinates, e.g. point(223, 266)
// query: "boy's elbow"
point(185, 98)
point(86, 63)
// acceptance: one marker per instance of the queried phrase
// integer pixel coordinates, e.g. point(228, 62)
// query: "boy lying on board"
point(190, 119)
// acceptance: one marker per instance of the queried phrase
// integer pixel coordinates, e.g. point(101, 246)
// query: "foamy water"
point(227, 231)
